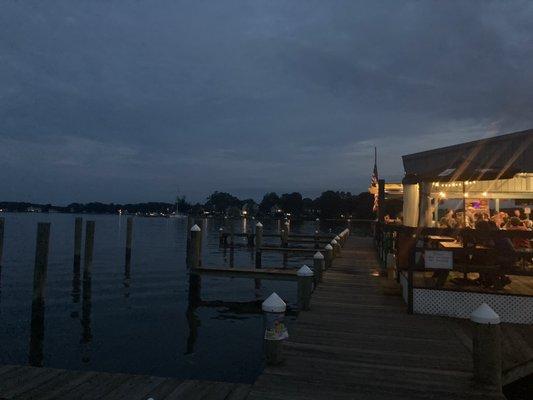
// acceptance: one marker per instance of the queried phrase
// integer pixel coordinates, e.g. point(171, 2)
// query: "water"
point(142, 323)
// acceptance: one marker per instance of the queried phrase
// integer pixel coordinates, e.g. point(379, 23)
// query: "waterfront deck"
point(25, 383)
point(358, 342)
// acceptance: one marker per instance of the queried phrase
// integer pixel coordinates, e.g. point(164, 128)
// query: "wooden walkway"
point(25, 383)
point(358, 342)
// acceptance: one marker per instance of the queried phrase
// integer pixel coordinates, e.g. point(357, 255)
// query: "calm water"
point(143, 323)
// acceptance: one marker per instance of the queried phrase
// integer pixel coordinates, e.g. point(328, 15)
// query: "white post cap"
point(259, 225)
point(334, 242)
point(305, 271)
point(337, 238)
point(329, 247)
point(220, 229)
point(318, 219)
point(485, 315)
point(287, 223)
point(274, 303)
point(195, 228)
point(318, 256)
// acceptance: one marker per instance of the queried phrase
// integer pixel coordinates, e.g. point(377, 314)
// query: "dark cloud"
point(126, 100)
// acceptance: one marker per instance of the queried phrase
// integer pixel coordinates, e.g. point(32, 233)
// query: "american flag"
point(374, 183)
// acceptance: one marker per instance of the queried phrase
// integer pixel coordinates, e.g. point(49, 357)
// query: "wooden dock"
point(358, 342)
point(25, 383)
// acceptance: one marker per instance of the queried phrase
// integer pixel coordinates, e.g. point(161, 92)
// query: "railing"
point(489, 254)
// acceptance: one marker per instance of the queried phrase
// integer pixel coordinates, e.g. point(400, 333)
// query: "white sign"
point(438, 259)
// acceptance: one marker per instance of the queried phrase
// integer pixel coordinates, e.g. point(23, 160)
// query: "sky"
point(130, 101)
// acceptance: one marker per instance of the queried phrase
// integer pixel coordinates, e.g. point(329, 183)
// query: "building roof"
point(497, 157)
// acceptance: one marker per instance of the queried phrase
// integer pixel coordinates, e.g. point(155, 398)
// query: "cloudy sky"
point(126, 101)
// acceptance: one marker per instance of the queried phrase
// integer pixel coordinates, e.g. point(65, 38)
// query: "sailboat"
point(177, 214)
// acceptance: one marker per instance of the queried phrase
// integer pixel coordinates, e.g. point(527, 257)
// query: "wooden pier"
point(25, 383)
point(358, 342)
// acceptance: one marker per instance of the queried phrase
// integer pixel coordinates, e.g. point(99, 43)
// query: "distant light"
point(466, 194)
point(442, 194)
point(484, 194)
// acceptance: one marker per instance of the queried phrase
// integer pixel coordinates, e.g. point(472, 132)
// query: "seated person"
point(516, 225)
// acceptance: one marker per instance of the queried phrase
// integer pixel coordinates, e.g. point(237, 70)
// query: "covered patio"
point(456, 248)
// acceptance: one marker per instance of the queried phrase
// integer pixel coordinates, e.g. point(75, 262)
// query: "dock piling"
point(258, 243)
point(89, 246)
point(275, 330)
point(318, 266)
point(305, 287)
point(2, 223)
point(487, 351)
point(196, 246)
point(78, 228)
point(129, 239)
point(39, 283)
point(329, 255)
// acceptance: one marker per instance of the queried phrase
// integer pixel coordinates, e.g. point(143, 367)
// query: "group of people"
point(483, 221)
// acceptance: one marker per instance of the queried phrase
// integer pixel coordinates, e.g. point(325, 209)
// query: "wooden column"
point(275, 331)
point(381, 200)
point(328, 256)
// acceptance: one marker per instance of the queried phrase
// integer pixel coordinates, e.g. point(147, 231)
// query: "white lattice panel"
point(514, 309)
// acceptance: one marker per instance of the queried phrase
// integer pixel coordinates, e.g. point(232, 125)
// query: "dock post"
point(275, 330)
point(317, 245)
point(78, 228)
point(391, 267)
point(284, 237)
point(258, 243)
point(335, 246)
point(318, 266)
point(329, 255)
point(487, 347)
point(129, 238)
point(232, 233)
point(305, 287)
point(89, 246)
point(2, 223)
point(37, 305)
point(221, 237)
point(196, 247)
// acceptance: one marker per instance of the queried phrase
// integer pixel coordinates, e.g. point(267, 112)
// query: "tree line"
point(330, 204)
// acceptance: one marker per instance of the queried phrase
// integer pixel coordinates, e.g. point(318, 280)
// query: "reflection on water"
point(143, 315)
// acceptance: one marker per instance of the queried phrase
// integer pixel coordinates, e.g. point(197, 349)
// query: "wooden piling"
point(258, 243)
point(275, 330)
point(78, 228)
point(328, 257)
point(318, 266)
point(487, 347)
point(2, 223)
point(232, 233)
point(305, 287)
point(89, 246)
point(129, 239)
point(39, 284)
point(196, 247)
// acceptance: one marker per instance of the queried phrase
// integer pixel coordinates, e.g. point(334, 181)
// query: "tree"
point(221, 201)
point(292, 203)
point(269, 200)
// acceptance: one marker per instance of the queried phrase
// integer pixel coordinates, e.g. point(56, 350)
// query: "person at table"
point(517, 213)
point(448, 221)
point(516, 225)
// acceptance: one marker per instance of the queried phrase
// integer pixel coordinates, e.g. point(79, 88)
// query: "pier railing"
point(443, 258)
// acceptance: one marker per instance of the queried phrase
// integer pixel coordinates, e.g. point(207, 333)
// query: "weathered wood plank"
point(258, 273)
